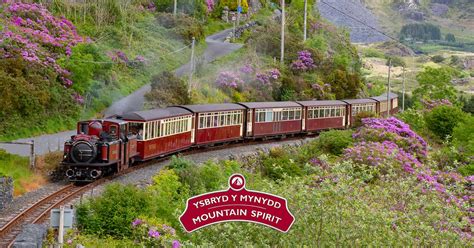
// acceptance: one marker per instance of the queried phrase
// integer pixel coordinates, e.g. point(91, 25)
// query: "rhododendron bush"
point(392, 129)
point(259, 82)
point(33, 33)
point(389, 145)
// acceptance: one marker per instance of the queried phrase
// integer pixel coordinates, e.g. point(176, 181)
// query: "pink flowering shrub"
point(383, 157)
point(33, 33)
point(392, 129)
point(249, 79)
point(229, 79)
point(154, 235)
point(304, 62)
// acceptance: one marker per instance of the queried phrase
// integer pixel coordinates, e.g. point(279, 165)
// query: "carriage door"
point(124, 146)
point(276, 120)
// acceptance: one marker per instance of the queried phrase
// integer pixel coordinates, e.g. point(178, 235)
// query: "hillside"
point(452, 17)
point(355, 16)
point(109, 53)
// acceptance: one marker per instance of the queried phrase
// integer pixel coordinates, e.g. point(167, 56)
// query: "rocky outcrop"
point(31, 236)
point(360, 33)
point(410, 9)
point(6, 191)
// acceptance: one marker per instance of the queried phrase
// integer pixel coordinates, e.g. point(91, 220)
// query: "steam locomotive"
point(106, 146)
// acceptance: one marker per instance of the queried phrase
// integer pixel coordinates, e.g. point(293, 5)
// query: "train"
point(106, 146)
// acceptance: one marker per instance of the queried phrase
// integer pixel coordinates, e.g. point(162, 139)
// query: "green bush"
point(373, 53)
point(395, 61)
point(335, 141)
point(280, 163)
point(186, 26)
point(437, 58)
point(113, 212)
point(413, 118)
point(166, 90)
point(168, 194)
point(442, 119)
point(463, 135)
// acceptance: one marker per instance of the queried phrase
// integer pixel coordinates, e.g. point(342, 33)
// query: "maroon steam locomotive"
point(110, 145)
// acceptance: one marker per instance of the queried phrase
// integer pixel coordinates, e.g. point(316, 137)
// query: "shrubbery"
point(186, 26)
point(113, 212)
point(335, 141)
point(442, 120)
point(167, 89)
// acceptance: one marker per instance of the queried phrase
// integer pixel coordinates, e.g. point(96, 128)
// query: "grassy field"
point(18, 168)
point(376, 70)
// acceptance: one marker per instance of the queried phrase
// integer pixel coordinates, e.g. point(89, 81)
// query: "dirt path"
point(216, 47)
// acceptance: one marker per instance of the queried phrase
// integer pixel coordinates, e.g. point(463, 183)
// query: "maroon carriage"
point(217, 123)
point(382, 104)
point(320, 115)
point(356, 106)
point(160, 131)
point(272, 118)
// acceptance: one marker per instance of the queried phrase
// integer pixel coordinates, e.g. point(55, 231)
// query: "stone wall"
point(6, 191)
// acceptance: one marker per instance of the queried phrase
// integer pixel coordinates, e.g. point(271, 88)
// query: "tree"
point(435, 84)
point(167, 89)
point(450, 38)
point(442, 120)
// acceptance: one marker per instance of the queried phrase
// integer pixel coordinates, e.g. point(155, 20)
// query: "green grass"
point(18, 168)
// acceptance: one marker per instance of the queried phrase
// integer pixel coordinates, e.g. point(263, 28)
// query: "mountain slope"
point(340, 12)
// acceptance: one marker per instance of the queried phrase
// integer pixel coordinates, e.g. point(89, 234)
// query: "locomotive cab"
point(100, 147)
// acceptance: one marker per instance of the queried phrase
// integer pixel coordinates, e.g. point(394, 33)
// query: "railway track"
point(39, 211)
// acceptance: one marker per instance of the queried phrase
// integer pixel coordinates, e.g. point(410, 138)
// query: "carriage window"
point(291, 115)
point(136, 128)
point(268, 116)
point(333, 112)
point(298, 114)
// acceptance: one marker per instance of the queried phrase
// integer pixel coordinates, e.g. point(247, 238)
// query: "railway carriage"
point(320, 115)
point(356, 106)
point(160, 131)
point(217, 123)
point(382, 104)
point(272, 118)
point(111, 145)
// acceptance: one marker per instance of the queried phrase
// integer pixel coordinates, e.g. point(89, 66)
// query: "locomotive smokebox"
point(83, 151)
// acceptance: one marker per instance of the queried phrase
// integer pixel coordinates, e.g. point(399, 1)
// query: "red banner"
point(237, 204)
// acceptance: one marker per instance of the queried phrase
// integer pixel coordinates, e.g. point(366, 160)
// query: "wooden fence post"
point(32, 155)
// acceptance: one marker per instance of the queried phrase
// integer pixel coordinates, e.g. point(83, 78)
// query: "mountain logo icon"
point(237, 182)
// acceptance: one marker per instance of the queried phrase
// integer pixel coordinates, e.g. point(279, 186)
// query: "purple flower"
point(176, 244)
point(153, 234)
point(304, 62)
point(137, 222)
point(246, 69)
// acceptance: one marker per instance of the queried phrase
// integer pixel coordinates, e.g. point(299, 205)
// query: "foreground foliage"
point(380, 192)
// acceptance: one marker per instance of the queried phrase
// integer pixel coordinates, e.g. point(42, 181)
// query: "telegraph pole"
point(191, 66)
point(389, 105)
point(282, 56)
point(175, 8)
point(305, 18)
point(403, 90)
